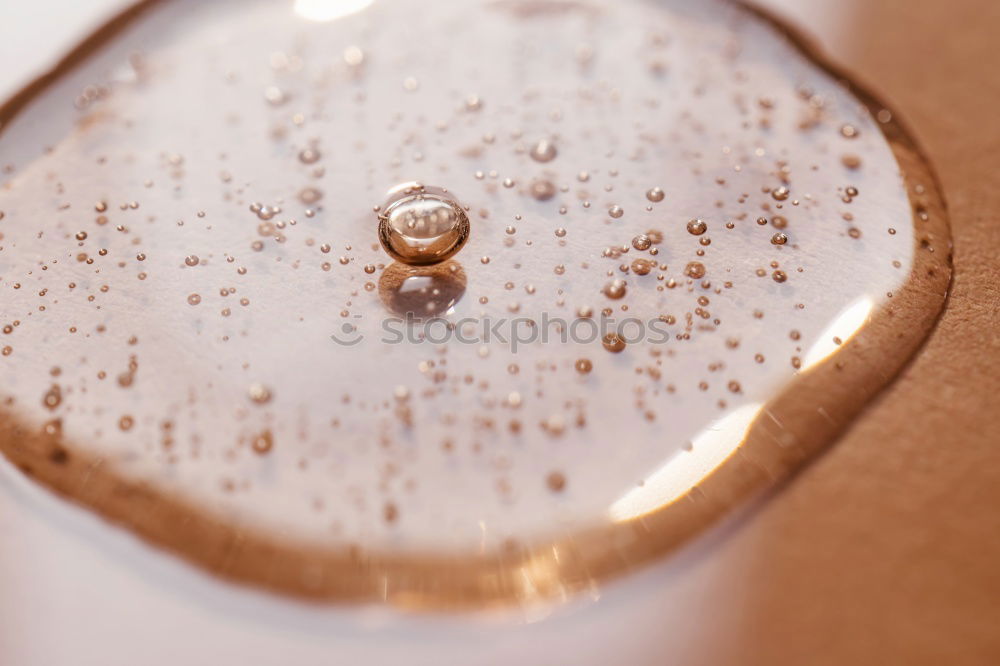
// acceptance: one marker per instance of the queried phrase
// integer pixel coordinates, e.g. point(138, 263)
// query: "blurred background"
point(884, 551)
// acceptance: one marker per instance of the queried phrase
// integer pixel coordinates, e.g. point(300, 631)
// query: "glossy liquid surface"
point(694, 258)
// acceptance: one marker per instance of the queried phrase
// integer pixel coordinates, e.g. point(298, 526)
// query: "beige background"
point(886, 550)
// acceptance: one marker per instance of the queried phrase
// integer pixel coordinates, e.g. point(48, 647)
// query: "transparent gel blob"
point(696, 254)
point(422, 225)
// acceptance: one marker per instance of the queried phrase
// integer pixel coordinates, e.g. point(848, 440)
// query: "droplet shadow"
point(421, 292)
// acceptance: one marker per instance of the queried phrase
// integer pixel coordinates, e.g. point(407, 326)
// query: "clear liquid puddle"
point(693, 259)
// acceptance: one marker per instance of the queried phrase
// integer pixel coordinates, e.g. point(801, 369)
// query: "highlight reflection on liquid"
point(844, 327)
point(713, 446)
point(329, 10)
point(709, 449)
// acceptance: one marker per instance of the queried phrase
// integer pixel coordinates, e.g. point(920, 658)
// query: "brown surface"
point(887, 549)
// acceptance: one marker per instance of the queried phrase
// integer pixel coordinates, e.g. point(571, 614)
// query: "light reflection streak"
point(685, 470)
point(328, 10)
point(842, 329)
point(718, 442)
